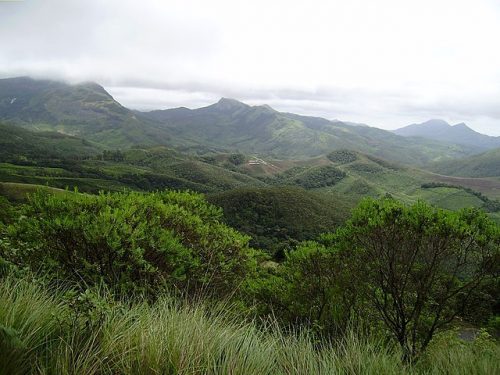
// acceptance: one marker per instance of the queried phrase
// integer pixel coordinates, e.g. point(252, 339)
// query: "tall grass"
point(39, 335)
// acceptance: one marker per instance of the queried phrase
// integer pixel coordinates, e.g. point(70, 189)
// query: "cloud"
point(386, 63)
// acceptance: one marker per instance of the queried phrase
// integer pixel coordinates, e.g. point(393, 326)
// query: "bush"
point(131, 241)
point(6, 211)
point(307, 290)
point(342, 156)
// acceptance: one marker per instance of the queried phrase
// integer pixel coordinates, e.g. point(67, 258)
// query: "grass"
point(449, 198)
point(18, 192)
point(42, 335)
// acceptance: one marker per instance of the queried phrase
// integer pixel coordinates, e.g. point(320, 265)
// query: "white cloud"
point(387, 63)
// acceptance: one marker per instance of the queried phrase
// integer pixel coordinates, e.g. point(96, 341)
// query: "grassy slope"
point(21, 145)
point(369, 176)
point(17, 192)
point(150, 169)
point(484, 165)
point(56, 160)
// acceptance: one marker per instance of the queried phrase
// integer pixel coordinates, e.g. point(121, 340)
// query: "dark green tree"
point(418, 266)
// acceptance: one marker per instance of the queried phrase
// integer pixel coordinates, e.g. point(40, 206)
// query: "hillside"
point(232, 125)
point(88, 111)
point(269, 215)
point(20, 145)
point(440, 130)
point(84, 110)
point(60, 161)
point(354, 175)
point(483, 165)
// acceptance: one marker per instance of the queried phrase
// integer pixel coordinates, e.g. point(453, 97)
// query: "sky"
point(386, 63)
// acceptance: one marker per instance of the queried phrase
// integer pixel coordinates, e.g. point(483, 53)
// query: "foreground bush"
point(406, 271)
point(40, 333)
point(131, 242)
point(418, 266)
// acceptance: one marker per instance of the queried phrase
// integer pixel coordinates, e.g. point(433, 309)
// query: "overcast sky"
point(387, 63)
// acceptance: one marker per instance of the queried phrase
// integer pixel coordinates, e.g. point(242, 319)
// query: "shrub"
point(131, 241)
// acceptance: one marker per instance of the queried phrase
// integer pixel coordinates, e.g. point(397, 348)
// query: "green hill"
point(278, 217)
point(356, 175)
point(57, 160)
point(24, 146)
point(84, 110)
point(232, 125)
point(483, 165)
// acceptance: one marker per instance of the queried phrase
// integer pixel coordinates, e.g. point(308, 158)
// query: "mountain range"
point(232, 125)
point(87, 110)
point(440, 130)
point(62, 135)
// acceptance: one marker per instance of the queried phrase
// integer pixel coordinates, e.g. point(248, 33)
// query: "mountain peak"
point(463, 126)
point(440, 130)
point(227, 104)
point(435, 123)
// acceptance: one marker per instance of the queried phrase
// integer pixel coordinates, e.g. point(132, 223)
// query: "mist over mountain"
point(440, 130)
point(233, 125)
point(87, 110)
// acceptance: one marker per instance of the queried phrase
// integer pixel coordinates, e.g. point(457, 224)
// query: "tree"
point(237, 159)
point(418, 266)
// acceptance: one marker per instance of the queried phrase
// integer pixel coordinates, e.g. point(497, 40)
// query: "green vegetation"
point(342, 156)
point(235, 126)
point(440, 130)
point(43, 333)
point(418, 266)
point(408, 271)
point(278, 218)
point(482, 165)
point(324, 309)
point(87, 110)
point(115, 170)
point(489, 205)
point(130, 241)
point(112, 261)
point(22, 146)
point(83, 110)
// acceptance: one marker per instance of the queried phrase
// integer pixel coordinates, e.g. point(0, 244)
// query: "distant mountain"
point(483, 165)
point(87, 111)
point(440, 130)
point(232, 125)
point(84, 110)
